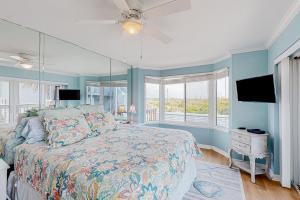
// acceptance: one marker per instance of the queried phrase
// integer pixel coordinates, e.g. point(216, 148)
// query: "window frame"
point(14, 92)
point(112, 86)
point(158, 81)
point(212, 99)
point(216, 99)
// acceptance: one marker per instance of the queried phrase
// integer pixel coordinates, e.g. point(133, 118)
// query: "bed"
point(133, 162)
point(7, 144)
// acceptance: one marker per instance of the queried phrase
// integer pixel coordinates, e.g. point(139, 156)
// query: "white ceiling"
point(203, 34)
point(58, 56)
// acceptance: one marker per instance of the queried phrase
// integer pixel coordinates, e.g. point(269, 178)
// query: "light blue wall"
point(138, 90)
point(247, 114)
point(287, 38)
point(13, 72)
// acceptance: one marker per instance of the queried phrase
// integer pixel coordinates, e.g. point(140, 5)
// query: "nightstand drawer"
point(239, 146)
point(241, 138)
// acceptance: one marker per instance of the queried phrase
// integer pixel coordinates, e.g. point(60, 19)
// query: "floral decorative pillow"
point(65, 127)
point(100, 123)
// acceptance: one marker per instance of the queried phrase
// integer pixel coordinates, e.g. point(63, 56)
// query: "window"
point(223, 102)
point(28, 96)
point(152, 101)
point(93, 93)
point(174, 102)
point(197, 102)
point(119, 101)
point(25, 96)
point(196, 99)
point(4, 102)
point(112, 96)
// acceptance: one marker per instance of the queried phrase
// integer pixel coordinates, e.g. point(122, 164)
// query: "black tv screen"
point(69, 94)
point(257, 89)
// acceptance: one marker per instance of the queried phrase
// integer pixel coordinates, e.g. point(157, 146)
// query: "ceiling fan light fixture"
point(26, 65)
point(132, 27)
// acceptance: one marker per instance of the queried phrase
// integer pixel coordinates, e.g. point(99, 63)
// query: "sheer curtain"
point(295, 120)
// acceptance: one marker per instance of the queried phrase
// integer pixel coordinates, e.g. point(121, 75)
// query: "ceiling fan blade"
point(18, 58)
point(135, 4)
point(6, 60)
point(157, 34)
point(101, 22)
point(122, 5)
point(167, 8)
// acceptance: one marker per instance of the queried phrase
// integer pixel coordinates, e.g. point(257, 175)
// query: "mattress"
point(134, 162)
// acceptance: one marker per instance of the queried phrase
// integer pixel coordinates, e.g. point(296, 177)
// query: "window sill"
point(172, 123)
point(184, 124)
point(222, 129)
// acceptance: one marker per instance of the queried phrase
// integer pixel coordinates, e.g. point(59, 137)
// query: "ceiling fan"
point(23, 60)
point(134, 17)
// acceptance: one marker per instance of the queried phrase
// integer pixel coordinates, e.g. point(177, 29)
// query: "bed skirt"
point(19, 190)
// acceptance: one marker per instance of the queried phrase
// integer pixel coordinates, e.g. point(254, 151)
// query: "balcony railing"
point(23, 108)
point(153, 115)
point(5, 112)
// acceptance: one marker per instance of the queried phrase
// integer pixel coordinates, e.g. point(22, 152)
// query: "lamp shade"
point(122, 109)
point(132, 109)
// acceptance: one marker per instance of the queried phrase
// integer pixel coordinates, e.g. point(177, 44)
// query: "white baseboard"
point(214, 148)
point(204, 146)
point(274, 177)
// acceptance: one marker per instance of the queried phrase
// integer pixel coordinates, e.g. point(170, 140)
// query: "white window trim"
point(212, 98)
point(189, 124)
point(215, 125)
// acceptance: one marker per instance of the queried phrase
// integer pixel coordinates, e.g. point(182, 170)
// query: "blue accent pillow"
point(33, 131)
point(20, 126)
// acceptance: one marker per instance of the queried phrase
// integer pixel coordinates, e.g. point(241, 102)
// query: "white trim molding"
point(295, 47)
point(236, 51)
point(288, 17)
point(274, 177)
point(284, 123)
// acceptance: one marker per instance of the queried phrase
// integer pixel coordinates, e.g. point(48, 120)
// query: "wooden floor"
point(263, 189)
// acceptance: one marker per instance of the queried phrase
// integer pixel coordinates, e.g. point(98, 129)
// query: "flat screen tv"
point(69, 94)
point(257, 89)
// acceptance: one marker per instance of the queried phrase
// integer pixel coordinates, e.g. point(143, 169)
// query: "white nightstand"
point(3, 179)
point(251, 145)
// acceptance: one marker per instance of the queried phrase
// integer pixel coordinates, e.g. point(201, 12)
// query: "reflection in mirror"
point(101, 81)
point(71, 67)
point(19, 71)
point(39, 71)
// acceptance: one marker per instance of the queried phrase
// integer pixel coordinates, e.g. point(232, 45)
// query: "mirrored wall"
point(38, 71)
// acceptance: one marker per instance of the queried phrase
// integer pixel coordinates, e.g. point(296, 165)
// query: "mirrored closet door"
point(39, 71)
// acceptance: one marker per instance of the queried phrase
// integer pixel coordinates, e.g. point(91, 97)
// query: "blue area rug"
point(216, 182)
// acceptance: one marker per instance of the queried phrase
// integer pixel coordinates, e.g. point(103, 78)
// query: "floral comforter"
point(5, 135)
point(133, 162)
